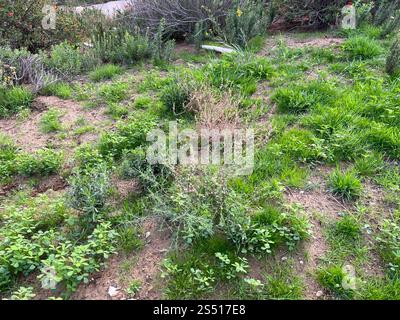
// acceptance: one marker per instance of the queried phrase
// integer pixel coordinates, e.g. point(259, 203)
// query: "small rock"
point(301, 262)
point(148, 234)
point(113, 291)
point(284, 258)
point(319, 294)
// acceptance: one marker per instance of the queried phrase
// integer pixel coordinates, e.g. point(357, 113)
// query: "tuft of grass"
point(283, 284)
point(114, 92)
point(50, 121)
point(105, 72)
point(333, 278)
point(345, 185)
point(143, 102)
point(117, 110)
point(14, 99)
point(370, 164)
point(59, 89)
point(361, 48)
point(129, 239)
point(348, 227)
point(300, 98)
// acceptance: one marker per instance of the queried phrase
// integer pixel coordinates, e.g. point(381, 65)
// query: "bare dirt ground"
point(27, 134)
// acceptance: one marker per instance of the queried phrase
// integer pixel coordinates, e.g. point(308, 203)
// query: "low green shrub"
point(50, 121)
point(175, 97)
point(64, 58)
point(88, 193)
point(128, 136)
point(120, 46)
point(113, 92)
point(389, 244)
point(135, 164)
point(211, 208)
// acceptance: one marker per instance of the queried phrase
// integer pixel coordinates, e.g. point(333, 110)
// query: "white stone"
point(113, 291)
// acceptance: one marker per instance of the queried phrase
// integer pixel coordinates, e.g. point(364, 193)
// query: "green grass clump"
point(114, 92)
point(301, 98)
point(370, 164)
point(385, 139)
point(12, 100)
point(128, 136)
point(175, 97)
point(380, 289)
point(348, 227)
point(143, 102)
point(59, 89)
point(333, 278)
point(238, 72)
point(362, 48)
point(50, 121)
point(105, 72)
point(129, 239)
point(345, 185)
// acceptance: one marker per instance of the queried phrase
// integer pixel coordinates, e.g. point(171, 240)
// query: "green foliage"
point(283, 284)
point(26, 235)
point(134, 287)
point(393, 59)
point(196, 273)
point(345, 185)
point(22, 25)
point(88, 192)
point(175, 97)
point(65, 58)
point(333, 278)
point(162, 51)
point(50, 121)
point(128, 136)
point(105, 72)
point(389, 244)
point(129, 239)
point(381, 289)
point(370, 164)
point(245, 20)
point(143, 102)
point(23, 293)
point(348, 227)
point(73, 264)
point(120, 46)
point(239, 71)
point(301, 98)
point(13, 99)
point(40, 163)
point(362, 48)
point(211, 208)
point(59, 89)
point(135, 164)
point(114, 92)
